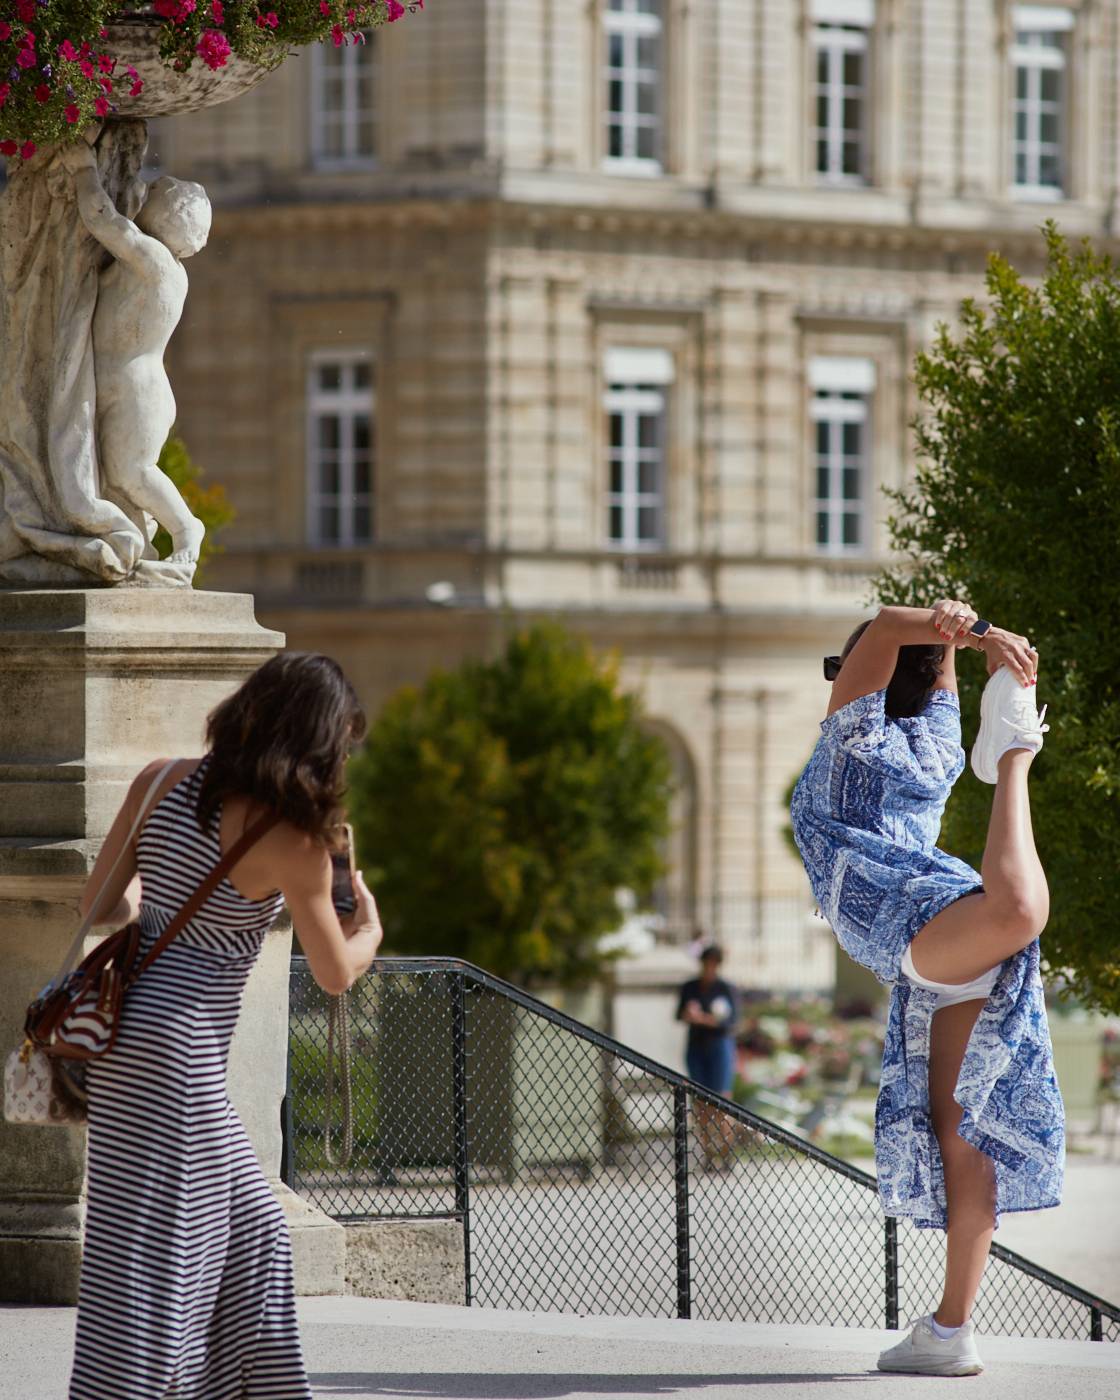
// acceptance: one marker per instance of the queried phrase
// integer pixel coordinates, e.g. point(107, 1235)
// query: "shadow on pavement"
point(535, 1385)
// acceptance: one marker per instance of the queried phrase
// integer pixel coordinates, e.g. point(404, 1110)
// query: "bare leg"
point(969, 1174)
point(978, 932)
point(159, 496)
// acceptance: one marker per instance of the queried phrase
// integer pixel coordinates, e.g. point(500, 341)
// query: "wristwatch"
point(980, 628)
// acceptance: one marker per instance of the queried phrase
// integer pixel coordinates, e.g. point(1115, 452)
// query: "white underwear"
point(949, 993)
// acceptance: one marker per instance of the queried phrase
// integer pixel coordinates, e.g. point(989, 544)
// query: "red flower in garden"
point(42, 93)
point(85, 67)
point(101, 106)
point(68, 51)
point(396, 9)
point(27, 150)
point(338, 36)
point(72, 113)
point(105, 63)
point(5, 88)
point(217, 12)
point(213, 48)
point(106, 83)
point(26, 10)
point(137, 88)
point(324, 8)
point(5, 30)
point(8, 148)
point(26, 58)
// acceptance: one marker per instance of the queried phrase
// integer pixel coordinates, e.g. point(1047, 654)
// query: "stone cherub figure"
point(140, 298)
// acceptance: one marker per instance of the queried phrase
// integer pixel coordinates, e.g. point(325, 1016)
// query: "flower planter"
point(134, 40)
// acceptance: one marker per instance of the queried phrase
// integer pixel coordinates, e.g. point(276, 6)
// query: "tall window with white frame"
point(840, 415)
point(1038, 58)
point(340, 450)
point(343, 94)
point(634, 81)
point(841, 58)
point(638, 381)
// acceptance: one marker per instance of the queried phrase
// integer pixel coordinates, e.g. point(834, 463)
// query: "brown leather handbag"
point(77, 1015)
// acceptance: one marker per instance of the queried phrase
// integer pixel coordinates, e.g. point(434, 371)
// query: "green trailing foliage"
point(1016, 508)
point(499, 807)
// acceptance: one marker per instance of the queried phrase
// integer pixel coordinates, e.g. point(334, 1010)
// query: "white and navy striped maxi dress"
point(186, 1285)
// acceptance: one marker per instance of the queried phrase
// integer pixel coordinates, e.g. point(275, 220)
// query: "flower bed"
point(65, 63)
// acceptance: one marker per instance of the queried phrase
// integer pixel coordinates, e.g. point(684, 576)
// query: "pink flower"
point(137, 88)
point(132, 73)
point(26, 10)
point(101, 106)
point(105, 63)
point(8, 148)
point(5, 88)
point(324, 8)
point(72, 114)
point(217, 13)
point(68, 51)
point(86, 68)
point(338, 36)
point(27, 150)
point(106, 83)
point(213, 48)
point(26, 58)
point(396, 9)
point(42, 93)
point(5, 30)
point(271, 20)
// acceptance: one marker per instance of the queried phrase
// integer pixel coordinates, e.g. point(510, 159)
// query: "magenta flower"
point(396, 9)
point(26, 58)
point(5, 88)
point(217, 13)
point(42, 93)
point(27, 150)
point(68, 51)
point(72, 113)
point(101, 106)
point(213, 48)
point(5, 30)
point(137, 88)
point(8, 148)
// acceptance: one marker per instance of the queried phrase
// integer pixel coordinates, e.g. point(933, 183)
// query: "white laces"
point(1029, 724)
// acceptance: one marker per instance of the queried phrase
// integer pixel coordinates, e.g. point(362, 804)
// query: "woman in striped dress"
point(186, 1286)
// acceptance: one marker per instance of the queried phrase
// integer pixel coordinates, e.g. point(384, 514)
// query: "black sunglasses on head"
point(831, 667)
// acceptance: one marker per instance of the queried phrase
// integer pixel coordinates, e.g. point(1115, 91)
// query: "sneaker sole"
point(935, 1368)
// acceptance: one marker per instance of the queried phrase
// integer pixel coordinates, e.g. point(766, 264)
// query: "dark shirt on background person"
point(708, 994)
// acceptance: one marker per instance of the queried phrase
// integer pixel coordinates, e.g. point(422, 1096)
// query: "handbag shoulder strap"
point(87, 923)
point(248, 838)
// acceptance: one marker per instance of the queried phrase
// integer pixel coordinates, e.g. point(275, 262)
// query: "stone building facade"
point(606, 312)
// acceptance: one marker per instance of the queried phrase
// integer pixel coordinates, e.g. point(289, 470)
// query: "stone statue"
point(91, 287)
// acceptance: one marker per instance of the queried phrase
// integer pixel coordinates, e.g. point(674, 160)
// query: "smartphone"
point(342, 876)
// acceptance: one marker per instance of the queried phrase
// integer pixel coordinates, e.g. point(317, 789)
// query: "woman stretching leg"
point(952, 1149)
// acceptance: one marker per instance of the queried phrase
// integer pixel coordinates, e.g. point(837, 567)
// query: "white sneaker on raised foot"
point(923, 1353)
point(1009, 719)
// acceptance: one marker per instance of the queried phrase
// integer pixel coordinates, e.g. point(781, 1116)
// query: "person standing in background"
point(709, 1006)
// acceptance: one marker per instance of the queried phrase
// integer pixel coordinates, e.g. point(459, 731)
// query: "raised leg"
point(969, 1175)
point(978, 932)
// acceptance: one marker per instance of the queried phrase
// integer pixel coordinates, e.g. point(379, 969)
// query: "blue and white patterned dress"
point(866, 815)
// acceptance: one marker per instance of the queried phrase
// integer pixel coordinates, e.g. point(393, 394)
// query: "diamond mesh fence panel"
point(588, 1179)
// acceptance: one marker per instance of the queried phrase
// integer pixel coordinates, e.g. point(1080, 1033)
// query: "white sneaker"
point(924, 1353)
point(1008, 720)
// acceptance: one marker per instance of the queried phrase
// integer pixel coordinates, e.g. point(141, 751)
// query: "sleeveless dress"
point(866, 813)
point(186, 1285)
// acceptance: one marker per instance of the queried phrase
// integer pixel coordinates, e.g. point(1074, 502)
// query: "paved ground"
point(362, 1349)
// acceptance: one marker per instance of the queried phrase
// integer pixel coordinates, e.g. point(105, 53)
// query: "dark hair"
point(915, 675)
point(713, 950)
point(282, 740)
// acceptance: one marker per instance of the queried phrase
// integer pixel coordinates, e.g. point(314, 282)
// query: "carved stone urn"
point(134, 37)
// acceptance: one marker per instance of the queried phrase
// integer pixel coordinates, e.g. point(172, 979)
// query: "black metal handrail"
point(470, 1062)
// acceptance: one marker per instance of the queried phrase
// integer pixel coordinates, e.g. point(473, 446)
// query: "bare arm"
point(117, 902)
point(338, 950)
point(870, 664)
point(113, 231)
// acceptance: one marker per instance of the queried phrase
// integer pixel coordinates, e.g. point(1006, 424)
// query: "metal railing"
point(584, 1177)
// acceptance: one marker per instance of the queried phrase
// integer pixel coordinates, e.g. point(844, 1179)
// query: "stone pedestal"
point(93, 685)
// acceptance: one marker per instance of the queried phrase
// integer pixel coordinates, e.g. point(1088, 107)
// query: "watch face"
point(980, 627)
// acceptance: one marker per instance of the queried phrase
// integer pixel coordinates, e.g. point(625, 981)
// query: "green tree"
point(209, 503)
point(499, 807)
point(1016, 507)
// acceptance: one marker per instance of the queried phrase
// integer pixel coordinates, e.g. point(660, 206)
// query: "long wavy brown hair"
point(915, 675)
point(282, 740)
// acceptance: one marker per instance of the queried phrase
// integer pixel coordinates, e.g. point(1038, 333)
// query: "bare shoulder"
point(303, 860)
